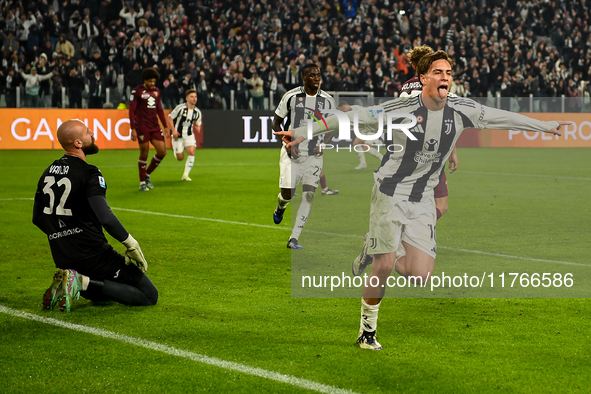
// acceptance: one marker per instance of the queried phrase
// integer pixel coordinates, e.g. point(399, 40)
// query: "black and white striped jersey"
point(410, 169)
point(183, 119)
point(297, 108)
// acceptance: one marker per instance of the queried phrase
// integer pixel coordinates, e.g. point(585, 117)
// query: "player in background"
point(71, 209)
point(402, 203)
point(302, 163)
point(145, 108)
point(345, 107)
point(184, 121)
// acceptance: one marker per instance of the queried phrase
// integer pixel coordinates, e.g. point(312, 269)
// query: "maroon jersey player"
point(145, 107)
point(414, 87)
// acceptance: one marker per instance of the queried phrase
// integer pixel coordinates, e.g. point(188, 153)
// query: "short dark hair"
point(150, 73)
point(189, 91)
point(427, 60)
point(306, 68)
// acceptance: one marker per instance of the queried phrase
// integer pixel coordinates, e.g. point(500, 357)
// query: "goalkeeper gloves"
point(134, 252)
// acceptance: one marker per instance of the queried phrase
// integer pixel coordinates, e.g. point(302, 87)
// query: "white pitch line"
point(512, 257)
point(201, 358)
point(325, 233)
point(530, 175)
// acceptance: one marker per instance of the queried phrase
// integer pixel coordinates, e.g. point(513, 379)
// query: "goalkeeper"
point(71, 209)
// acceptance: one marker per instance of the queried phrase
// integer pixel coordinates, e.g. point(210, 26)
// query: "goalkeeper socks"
point(154, 163)
point(322, 180)
point(282, 202)
point(361, 156)
point(369, 316)
point(85, 282)
point(189, 165)
point(303, 213)
point(141, 163)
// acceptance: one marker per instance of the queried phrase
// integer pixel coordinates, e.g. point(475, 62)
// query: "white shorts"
point(393, 220)
point(305, 170)
point(179, 144)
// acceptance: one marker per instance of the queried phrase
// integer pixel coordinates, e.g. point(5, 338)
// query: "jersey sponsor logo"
point(102, 182)
point(431, 145)
point(151, 102)
point(146, 95)
point(427, 157)
point(65, 233)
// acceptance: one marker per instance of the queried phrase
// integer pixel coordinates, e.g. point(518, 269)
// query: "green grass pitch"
point(225, 282)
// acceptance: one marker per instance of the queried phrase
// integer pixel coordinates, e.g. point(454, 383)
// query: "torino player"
point(145, 108)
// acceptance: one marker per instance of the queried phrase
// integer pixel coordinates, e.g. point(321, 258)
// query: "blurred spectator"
point(256, 91)
point(32, 86)
point(96, 91)
point(76, 87)
point(64, 46)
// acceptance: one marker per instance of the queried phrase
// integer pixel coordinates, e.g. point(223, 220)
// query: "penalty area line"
point(216, 362)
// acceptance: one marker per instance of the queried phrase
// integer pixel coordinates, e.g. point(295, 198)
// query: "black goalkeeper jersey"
point(63, 213)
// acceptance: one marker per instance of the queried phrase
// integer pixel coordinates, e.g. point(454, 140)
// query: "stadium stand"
point(501, 48)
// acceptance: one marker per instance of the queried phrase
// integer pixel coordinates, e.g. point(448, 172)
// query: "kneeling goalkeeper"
point(71, 209)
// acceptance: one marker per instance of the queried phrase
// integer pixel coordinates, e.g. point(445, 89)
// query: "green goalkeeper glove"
point(134, 252)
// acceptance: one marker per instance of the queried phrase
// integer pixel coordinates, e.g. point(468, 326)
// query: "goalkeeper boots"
point(149, 184)
point(69, 291)
point(363, 260)
point(50, 296)
point(278, 215)
point(367, 340)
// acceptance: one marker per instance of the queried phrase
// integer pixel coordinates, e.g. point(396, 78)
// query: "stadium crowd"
point(255, 47)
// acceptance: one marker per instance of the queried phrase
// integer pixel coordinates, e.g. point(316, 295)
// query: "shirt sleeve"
point(198, 122)
point(161, 111)
point(492, 118)
point(107, 218)
point(282, 110)
point(174, 113)
point(132, 106)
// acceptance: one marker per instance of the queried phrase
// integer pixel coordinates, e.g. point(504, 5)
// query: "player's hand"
point(134, 253)
point(175, 134)
point(293, 152)
point(453, 161)
point(133, 135)
point(558, 130)
point(287, 136)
